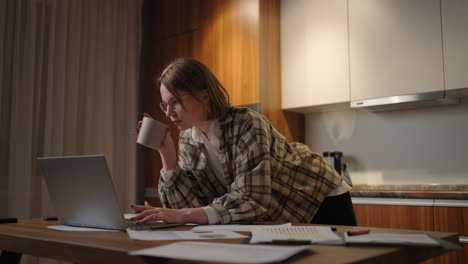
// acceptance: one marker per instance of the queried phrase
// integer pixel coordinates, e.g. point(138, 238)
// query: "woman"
point(233, 166)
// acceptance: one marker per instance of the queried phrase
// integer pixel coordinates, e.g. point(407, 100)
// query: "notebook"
point(83, 194)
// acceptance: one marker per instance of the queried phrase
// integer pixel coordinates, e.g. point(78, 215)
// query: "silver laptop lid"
point(82, 191)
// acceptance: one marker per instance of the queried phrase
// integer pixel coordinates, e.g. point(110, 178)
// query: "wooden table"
point(32, 237)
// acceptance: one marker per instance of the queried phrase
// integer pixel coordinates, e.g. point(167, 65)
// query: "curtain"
point(69, 75)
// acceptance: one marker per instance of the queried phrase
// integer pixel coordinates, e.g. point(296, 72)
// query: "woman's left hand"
point(171, 216)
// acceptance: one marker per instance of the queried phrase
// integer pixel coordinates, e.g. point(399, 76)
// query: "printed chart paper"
point(239, 228)
point(392, 239)
point(221, 252)
point(182, 235)
point(314, 234)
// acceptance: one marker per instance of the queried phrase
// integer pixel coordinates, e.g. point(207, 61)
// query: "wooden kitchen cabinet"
point(395, 48)
point(452, 219)
point(428, 218)
point(314, 53)
point(395, 216)
point(455, 37)
point(338, 51)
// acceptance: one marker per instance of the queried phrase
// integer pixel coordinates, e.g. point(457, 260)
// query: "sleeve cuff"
point(166, 175)
point(168, 178)
point(213, 215)
point(222, 212)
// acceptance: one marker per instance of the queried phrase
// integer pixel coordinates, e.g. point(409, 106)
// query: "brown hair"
point(191, 76)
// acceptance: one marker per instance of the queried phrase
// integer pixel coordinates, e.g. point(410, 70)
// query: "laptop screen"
point(82, 191)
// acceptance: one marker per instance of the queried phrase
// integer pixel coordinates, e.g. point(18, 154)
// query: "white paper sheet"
point(222, 252)
point(240, 228)
point(314, 234)
point(76, 228)
point(392, 239)
point(182, 235)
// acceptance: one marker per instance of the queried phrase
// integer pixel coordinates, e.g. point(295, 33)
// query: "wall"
point(413, 146)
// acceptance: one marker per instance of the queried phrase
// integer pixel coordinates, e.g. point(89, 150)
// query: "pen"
point(359, 232)
point(291, 241)
point(49, 218)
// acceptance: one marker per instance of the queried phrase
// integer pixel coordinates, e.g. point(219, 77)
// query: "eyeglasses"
point(173, 103)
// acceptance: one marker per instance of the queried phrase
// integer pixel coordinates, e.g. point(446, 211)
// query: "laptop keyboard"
point(135, 226)
point(148, 225)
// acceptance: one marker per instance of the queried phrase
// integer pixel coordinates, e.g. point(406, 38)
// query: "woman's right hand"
point(167, 151)
point(167, 141)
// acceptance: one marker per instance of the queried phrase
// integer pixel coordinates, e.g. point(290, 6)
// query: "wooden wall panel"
point(221, 34)
point(168, 49)
point(228, 45)
point(169, 29)
point(291, 125)
point(237, 39)
point(168, 18)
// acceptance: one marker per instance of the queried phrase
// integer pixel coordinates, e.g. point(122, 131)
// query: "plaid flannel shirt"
point(268, 179)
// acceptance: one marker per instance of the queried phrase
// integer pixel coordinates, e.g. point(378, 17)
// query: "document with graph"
point(296, 235)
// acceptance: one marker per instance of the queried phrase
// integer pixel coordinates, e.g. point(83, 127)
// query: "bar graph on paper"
point(316, 234)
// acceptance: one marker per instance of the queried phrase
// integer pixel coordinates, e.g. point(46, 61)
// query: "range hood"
point(405, 101)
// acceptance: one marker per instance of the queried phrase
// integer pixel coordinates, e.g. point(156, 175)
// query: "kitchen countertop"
point(419, 191)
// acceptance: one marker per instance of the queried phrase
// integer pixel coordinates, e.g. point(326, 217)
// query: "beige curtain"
point(69, 75)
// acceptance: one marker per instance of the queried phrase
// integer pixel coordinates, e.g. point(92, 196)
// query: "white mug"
point(151, 133)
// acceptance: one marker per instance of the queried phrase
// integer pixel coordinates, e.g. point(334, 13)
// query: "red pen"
point(358, 232)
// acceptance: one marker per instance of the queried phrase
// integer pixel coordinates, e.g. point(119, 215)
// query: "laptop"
point(83, 194)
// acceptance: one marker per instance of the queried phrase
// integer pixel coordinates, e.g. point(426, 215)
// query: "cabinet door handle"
point(463, 239)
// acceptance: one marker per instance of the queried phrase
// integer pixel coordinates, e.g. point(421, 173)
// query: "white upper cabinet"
point(455, 36)
point(395, 48)
point(314, 53)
